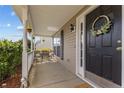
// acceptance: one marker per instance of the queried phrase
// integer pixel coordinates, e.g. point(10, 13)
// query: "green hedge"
point(10, 57)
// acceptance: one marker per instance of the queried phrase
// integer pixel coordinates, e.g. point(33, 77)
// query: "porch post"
point(24, 53)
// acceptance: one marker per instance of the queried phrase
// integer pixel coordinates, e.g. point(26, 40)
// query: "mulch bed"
point(13, 81)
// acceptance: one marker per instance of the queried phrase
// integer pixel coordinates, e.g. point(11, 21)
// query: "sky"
point(10, 26)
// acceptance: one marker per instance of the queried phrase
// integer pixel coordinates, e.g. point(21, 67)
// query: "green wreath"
point(103, 29)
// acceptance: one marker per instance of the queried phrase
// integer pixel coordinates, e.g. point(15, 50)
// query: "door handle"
point(119, 48)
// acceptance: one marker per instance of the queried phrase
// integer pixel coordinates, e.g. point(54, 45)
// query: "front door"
point(103, 51)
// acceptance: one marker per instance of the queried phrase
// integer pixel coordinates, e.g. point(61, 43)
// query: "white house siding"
point(70, 44)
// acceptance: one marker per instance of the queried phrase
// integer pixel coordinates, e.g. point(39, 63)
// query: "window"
point(58, 44)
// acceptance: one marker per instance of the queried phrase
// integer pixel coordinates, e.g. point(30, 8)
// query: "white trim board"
point(82, 17)
point(79, 70)
point(122, 46)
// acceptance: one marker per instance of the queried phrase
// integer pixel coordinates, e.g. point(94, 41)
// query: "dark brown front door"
point(103, 56)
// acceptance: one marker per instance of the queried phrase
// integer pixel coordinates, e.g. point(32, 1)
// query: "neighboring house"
point(44, 42)
point(79, 40)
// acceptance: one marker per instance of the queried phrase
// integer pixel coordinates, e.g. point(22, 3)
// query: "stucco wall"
point(70, 43)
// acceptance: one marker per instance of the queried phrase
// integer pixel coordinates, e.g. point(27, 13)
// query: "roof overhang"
point(48, 19)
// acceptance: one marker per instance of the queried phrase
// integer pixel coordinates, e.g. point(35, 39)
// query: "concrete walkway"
point(52, 75)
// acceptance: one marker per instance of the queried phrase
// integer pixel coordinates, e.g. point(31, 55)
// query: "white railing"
point(30, 59)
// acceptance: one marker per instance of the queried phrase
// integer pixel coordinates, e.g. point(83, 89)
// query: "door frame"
point(82, 18)
point(78, 40)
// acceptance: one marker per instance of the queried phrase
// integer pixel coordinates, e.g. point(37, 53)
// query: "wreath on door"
point(103, 29)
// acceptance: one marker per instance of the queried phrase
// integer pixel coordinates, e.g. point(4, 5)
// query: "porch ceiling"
point(47, 19)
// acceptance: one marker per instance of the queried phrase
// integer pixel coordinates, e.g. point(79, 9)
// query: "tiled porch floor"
point(52, 75)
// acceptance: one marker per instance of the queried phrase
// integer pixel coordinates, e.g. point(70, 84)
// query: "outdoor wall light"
point(72, 27)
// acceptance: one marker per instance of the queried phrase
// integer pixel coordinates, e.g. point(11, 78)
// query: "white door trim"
point(122, 80)
point(82, 17)
point(79, 70)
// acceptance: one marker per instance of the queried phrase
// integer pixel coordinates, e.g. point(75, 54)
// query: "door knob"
point(119, 48)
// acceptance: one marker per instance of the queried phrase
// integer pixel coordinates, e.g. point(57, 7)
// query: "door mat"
point(84, 85)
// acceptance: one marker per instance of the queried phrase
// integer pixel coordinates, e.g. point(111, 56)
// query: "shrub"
point(10, 57)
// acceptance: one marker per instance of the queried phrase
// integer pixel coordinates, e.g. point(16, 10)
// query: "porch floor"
point(52, 75)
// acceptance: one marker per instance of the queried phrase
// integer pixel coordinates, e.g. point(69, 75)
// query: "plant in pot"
point(29, 28)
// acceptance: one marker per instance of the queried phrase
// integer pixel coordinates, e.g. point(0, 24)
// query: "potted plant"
point(29, 28)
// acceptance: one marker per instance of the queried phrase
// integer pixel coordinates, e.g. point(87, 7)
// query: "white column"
point(24, 40)
point(24, 53)
point(24, 56)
